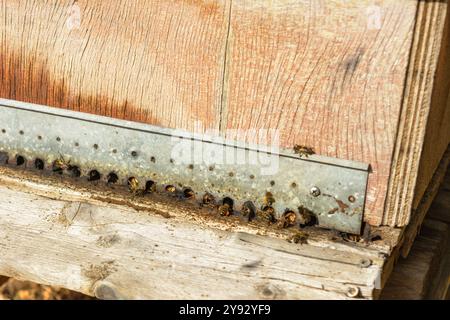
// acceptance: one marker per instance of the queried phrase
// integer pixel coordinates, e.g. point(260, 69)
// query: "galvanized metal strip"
point(333, 189)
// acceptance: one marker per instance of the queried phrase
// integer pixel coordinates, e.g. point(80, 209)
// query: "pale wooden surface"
point(63, 236)
point(328, 74)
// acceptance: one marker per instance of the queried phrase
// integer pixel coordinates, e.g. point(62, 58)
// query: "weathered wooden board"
point(352, 79)
point(413, 277)
point(425, 272)
point(437, 135)
point(410, 232)
point(423, 107)
point(59, 235)
point(159, 62)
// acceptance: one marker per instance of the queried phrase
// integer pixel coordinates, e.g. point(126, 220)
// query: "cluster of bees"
point(267, 213)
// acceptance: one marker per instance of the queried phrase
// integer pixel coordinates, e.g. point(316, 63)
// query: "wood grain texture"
point(413, 277)
point(159, 62)
point(437, 136)
point(410, 232)
point(324, 74)
point(351, 79)
point(415, 113)
point(52, 234)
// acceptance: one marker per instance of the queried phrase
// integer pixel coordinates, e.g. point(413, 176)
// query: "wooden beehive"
point(359, 80)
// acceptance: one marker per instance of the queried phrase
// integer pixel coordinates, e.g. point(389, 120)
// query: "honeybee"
point(306, 217)
point(248, 210)
point(267, 214)
point(298, 237)
point(171, 189)
point(61, 164)
point(350, 237)
point(268, 199)
point(225, 210)
point(208, 199)
point(303, 151)
point(133, 185)
point(287, 220)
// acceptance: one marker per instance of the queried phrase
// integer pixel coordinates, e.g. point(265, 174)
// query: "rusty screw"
point(315, 192)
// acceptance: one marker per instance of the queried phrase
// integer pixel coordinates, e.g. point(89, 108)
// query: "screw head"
point(315, 192)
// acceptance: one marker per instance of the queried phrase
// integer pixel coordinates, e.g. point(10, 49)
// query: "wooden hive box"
point(366, 80)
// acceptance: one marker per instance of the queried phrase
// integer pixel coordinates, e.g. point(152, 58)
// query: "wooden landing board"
point(52, 233)
point(334, 75)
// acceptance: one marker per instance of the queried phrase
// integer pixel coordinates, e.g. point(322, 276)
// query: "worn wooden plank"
point(437, 135)
point(413, 277)
point(54, 234)
point(159, 62)
point(440, 209)
point(410, 232)
point(416, 108)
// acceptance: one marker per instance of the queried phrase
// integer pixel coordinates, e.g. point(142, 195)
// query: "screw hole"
point(77, 144)
point(189, 193)
point(228, 201)
point(58, 139)
point(21, 132)
point(269, 213)
point(191, 167)
point(226, 209)
point(153, 159)
point(134, 154)
point(39, 164)
point(211, 168)
point(94, 175)
point(112, 178)
point(76, 172)
point(3, 131)
point(95, 146)
point(150, 186)
point(39, 137)
point(20, 160)
point(249, 210)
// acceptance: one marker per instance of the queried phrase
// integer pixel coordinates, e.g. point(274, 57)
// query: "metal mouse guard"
point(333, 190)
